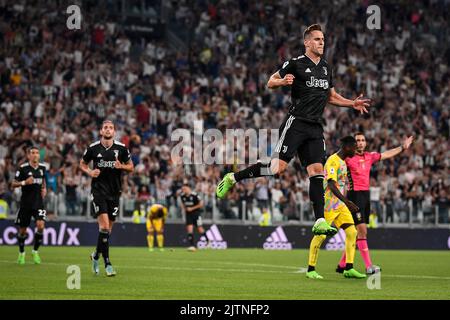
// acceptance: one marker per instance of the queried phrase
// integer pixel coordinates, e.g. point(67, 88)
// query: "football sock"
point(311, 268)
point(364, 250)
point(204, 235)
point(21, 240)
point(103, 240)
point(314, 248)
point(190, 239)
point(348, 266)
point(160, 239)
point(254, 171)
point(150, 240)
point(37, 240)
point(317, 195)
point(343, 260)
point(350, 245)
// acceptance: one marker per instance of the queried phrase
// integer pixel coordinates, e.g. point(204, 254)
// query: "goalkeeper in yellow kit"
point(338, 209)
point(156, 217)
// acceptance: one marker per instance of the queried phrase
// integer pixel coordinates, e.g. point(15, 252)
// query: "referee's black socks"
point(256, 170)
point(317, 194)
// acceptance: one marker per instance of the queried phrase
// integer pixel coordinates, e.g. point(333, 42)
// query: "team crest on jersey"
point(325, 70)
point(42, 173)
point(116, 154)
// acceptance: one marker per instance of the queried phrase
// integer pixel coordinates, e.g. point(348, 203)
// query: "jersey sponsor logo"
point(215, 239)
point(106, 164)
point(337, 242)
point(277, 241)
point(37, 180)
point(308, 70)
point(317, 83)
point(52, 236)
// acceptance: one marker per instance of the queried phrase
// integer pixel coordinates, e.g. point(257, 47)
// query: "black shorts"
point(105, 205)
point(194, 218)
point(362, 200)
point(24, 215)
point(302, 138)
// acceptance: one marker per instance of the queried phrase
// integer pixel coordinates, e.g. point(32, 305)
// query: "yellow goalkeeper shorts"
point(155, 225)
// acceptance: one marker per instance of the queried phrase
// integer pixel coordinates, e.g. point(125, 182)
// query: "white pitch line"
point(232, 263)
point(299, 270)
point(168, 268)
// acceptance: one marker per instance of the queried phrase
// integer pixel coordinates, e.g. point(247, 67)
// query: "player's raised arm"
point(276, 80)
point(395, 151)
point(333, 187)
point(357, 104)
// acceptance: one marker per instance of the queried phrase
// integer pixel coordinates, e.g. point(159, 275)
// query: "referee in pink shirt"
point(358, 168)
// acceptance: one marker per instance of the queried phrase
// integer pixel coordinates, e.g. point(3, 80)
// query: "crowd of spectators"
point(57, 85)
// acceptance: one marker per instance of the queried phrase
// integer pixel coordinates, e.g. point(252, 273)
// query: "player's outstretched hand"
point(361, 104)
point(352, 207)
point(95, 173)
point(288, 79)
point(407, 142)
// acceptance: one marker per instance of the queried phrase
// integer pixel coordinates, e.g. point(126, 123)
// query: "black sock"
point(99, 247)
point(254, 171)
point(349, 266)
point(37, 240)
point(21, 240)
point(104, 245)
point(311, 268)
point(191, 239)
point(317, 195)
point(204, 235)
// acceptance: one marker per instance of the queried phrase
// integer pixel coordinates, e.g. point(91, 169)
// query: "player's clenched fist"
point(288, 79)
point(29, 180)
point(94, 173)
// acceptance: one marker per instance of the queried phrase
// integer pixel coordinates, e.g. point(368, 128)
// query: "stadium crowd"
point(57, 85)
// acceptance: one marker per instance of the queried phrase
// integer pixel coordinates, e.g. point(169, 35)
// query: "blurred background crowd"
point(211, 64)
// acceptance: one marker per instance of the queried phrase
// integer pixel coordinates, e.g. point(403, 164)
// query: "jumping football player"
point(312, 87)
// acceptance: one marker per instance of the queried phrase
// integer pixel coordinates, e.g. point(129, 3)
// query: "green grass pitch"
point(220, 274)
